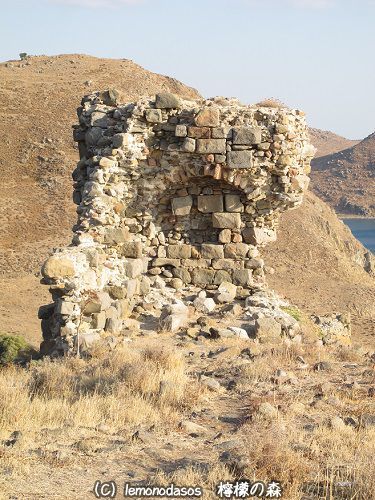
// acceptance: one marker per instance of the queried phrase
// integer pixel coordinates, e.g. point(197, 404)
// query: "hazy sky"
point(317, 55)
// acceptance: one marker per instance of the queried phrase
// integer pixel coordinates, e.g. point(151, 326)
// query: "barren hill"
point(327, 142)
point(318, 263)
point(346, 179)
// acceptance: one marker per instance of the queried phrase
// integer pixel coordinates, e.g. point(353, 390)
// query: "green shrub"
point(294, 312)
point(13, 348)
point(23, 56)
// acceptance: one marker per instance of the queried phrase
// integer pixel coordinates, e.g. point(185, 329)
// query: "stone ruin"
point(173, 196)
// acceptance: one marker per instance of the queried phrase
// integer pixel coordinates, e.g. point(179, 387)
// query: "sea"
point(363, 230)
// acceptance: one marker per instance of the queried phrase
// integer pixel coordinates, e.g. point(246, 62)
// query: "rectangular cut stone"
point(222, 133)
point(181, 131)
point(194, 263)
point(247, 135)
point(202, 276)
point(226, 220)
point(188, 146)
point(205, 146)
point(182, 205)
point(242, 277)
point(239, 159)
point(210, 203)
point(212, 251)
point(233, 203)
point(160, 262)
point(208, 117)
point(258, 235)
point(181, 251)
point(227, 264)
point(235, 250)
point(199, 132)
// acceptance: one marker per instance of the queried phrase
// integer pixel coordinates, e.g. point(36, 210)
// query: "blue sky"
point(316, 55)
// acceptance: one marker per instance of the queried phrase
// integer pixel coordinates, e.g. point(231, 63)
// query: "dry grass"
point(271, 102)
point(124, 388)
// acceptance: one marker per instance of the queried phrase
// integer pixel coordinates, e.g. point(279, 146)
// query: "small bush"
point(12, 349)
point(23, 56)
point(294, 312)
point(271, 103)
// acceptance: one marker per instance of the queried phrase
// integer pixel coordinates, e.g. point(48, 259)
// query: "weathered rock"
point(58, 267)
point(226, 220)
point(212, 251)
point(166, 100)
point(210, 203)
point(240, 159)
point(208, 117)
point(182, 205)
point(247, 135)
point(226, 292)
point(267, 328)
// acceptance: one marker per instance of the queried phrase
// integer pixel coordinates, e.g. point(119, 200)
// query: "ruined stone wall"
point(170, 192)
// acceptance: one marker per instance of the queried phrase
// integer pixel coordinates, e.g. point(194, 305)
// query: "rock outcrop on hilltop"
point(186, 190)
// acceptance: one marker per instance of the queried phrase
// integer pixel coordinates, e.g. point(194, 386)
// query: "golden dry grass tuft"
point(124, 388)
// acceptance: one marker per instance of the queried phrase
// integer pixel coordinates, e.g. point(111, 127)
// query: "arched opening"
point(201, 227)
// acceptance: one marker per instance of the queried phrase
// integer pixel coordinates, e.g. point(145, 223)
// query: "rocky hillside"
point(345, 179)
point(317, 262)
point(327, 142)
point(37, 153)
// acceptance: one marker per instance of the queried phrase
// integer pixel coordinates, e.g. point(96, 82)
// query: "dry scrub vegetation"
point(316, 441)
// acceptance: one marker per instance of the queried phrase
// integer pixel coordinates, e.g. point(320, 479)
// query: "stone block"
point(233, 203)
point(181, 131)
point(58, 267)
point(227, 264)
point(212, 251)
point(183, 274)
point(202, 276)
point(225, 220)
point(223, 132)
point(247, 135)
point(221, 276)
point(181, 251)
point(153, 115)
point(98, 320)
point(133, 267)
point(101, 302)
point(242, 277)
point(239, 159)
point(208, 117)
point(199, 132)
point(196, 263)
point(188, 146)
point(210, 203)
point(132, 249)
point(160, 262)
point(182, 205)
point(258, 236)
point(166, 100)
point(225, 236)
point(235, 250)
point(206, 146)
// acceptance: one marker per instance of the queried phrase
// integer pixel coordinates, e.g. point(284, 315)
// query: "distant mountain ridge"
point(346, 179)
point(328, 142)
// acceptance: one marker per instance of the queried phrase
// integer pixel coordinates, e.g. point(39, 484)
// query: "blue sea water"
point(363, 230)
